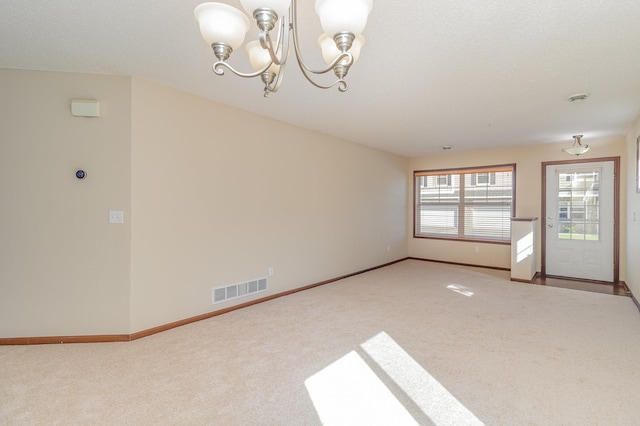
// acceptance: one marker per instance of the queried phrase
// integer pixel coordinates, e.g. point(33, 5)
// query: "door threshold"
point(616, 289)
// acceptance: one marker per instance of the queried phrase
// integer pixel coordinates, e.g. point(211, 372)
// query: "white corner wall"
point(633, 212)
point(64, 270)
point(219, 196)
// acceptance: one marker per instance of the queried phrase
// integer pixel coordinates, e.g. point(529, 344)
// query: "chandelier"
point(577, 148)
point(224, 27)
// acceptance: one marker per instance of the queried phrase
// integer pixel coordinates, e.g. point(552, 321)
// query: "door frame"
point(616, 211)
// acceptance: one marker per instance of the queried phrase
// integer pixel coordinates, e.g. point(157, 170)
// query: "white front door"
point(579, 220)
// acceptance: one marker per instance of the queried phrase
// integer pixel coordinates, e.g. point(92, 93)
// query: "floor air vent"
point(233, 291)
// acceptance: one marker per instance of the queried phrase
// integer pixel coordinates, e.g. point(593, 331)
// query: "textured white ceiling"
point(472, 74)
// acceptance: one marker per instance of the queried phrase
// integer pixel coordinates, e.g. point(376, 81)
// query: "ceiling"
point(472, 74)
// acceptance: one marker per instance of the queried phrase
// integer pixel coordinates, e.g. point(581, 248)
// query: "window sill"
point(466, 240)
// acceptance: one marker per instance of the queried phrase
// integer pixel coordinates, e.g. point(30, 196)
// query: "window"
point(579, 204)
point(435, 181)
point(444, 180)
point(483, 179)
point(465, 204)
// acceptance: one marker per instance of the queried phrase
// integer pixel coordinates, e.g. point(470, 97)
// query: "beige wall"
point(64, 270)
point(633, 211)
point(528, 161)
point(211, 196)
point(220, 195)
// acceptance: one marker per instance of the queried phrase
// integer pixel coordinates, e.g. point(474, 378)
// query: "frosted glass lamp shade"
point(221, 23)
point(577, 150)
point(279, 6)
point(259, 57)
point(330, 51)
point(343, 15)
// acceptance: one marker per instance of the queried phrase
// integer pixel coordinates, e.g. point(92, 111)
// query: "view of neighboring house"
point(579, 204)
point(465, 205)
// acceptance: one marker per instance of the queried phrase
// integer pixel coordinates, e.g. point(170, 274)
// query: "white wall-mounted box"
point(85, 108)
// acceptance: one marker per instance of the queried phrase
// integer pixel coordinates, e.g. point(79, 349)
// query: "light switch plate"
point(116, 216)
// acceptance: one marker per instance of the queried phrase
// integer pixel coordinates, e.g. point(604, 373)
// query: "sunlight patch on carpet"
point(348, 392)
point(424, 390)
point(465, 291)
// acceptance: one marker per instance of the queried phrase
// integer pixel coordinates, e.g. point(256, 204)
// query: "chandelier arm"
point(330, 67)
point(275, 85)
point(279, 53)
point(341, 57)
point(282, 46)
point(218, 68)
point(343, 85)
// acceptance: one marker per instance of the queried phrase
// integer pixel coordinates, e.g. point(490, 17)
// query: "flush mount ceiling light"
point(577, 148)
point(224, 27)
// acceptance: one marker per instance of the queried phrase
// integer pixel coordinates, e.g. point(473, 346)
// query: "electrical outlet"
point(271, 271)
point(477, 249)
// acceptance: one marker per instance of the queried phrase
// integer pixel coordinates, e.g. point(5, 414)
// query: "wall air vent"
point(234, 291)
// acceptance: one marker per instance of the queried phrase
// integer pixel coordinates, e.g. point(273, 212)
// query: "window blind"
point(470, 204)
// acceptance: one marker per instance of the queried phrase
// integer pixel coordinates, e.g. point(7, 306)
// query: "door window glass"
point(579, 205)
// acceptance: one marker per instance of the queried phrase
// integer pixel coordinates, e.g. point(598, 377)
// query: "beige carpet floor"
point(413, 343)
